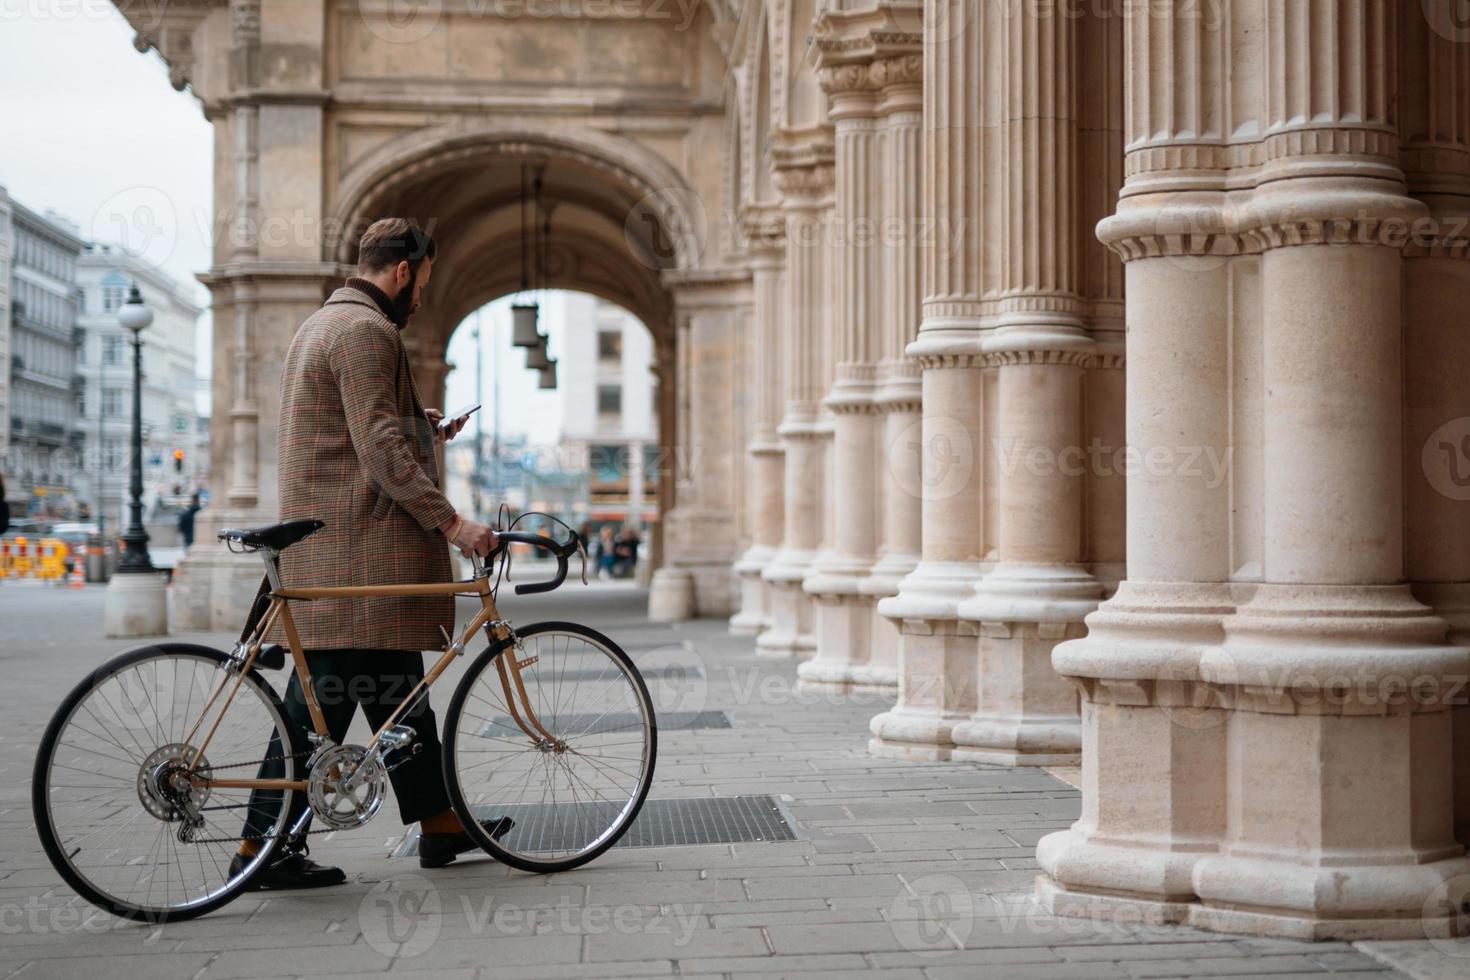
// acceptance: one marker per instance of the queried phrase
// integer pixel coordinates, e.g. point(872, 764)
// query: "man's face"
point(410, 287)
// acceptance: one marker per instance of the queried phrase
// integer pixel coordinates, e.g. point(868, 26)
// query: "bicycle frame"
point(487, 618)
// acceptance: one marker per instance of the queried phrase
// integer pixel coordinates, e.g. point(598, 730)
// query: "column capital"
point(803, 163)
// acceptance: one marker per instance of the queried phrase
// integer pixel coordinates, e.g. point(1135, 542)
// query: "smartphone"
point(465, 412)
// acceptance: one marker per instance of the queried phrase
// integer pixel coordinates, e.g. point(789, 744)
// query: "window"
point(609, 400)
point(112, 401)
point(112, 348)
point(609, 345)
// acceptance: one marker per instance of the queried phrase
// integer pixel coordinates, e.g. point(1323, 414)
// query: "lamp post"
point(135, 316)
point(137, 600)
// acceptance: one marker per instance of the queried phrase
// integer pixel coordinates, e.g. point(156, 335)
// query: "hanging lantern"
point(548, 375)
point(536, 358)
point(523, 326)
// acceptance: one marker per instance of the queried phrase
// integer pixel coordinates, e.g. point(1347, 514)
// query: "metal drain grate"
point(504, 726)
point(649, 673)
point(661, 823)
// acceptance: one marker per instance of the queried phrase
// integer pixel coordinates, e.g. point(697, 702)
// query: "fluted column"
point(1282, 765)
point(1039, 591)
point(843, 611)
point(960, 174)
point(804, 176)
point(765, 473)
point(897, 396)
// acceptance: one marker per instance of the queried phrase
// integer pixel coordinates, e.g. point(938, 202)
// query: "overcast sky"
point(93, 129)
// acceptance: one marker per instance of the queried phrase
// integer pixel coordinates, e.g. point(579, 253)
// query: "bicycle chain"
point(254, 837)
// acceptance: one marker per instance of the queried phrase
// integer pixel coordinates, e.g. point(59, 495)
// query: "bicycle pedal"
point(394, 758)
point(398, 736)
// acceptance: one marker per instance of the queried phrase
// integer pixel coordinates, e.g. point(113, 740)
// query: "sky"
point(94, 130)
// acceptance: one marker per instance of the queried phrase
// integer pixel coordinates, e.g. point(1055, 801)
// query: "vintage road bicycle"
point(153, 766)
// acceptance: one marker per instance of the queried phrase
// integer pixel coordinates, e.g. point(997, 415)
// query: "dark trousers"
point(378, 680)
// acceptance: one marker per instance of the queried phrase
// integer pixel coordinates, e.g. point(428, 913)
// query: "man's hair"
point(389, 241)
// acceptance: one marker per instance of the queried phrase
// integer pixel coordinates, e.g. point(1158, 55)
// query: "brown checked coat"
point(356, 451)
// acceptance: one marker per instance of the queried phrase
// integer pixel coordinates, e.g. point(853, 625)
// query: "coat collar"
point(363, 292)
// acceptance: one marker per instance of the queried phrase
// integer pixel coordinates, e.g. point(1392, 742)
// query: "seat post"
point(272, 559)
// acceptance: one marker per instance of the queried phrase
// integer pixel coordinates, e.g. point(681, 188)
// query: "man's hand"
point(447, 432)
point(471, 537)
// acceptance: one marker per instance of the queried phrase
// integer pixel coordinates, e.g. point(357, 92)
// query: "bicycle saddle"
point(277, 537)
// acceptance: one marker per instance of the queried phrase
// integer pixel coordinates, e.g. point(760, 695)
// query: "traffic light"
point(178, 461)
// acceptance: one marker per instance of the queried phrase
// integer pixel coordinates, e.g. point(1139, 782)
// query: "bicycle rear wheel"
point(112, 795)
point(573, 770)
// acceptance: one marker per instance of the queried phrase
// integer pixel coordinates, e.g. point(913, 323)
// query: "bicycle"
point(134, 790)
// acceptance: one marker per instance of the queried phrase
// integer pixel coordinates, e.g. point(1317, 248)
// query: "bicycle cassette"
point(332, 800)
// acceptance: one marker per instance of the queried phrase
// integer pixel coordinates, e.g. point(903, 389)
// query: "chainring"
point(333, 804)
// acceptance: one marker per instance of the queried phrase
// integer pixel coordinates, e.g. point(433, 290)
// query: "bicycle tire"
point(41, 811)
point(451, 730)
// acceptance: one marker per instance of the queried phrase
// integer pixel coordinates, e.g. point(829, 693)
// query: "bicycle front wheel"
point(566, 750)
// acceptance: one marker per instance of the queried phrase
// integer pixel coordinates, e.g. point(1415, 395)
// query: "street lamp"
point(135, 316)
point(137, 599)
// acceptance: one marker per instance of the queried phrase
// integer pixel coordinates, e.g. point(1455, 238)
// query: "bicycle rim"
point(574, 784)
point(101, 817)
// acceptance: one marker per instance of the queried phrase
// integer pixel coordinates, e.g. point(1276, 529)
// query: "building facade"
point(604, 369)
point(7, 251)
point(44, 447)
point(173, 457)
point(1088, 374)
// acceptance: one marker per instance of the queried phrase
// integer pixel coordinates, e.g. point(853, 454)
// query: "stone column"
point(1434, 132)
point(897, 394)
point(765, 469)
point(1279, 766)
point(843, 610)
point(960, 169)
point(1039, 591)
point(803, 160)
point(694, 578)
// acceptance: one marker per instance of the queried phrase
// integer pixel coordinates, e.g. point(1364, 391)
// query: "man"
point(355, 449)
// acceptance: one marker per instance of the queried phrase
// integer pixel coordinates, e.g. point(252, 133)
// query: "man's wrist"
point(452, 528)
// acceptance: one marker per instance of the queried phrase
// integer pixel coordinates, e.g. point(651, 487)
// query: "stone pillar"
point(960, 173)
point(1039, 591)
point(1266, 740)
point(765, 468)
point(803, 160)
point(843, 610)
point(896, 397)
point(1434, 133)
point(694, 578)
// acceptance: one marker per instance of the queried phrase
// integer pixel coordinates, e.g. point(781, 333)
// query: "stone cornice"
point(868, 34)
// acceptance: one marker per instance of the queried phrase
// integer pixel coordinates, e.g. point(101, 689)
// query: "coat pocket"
point(383, 507)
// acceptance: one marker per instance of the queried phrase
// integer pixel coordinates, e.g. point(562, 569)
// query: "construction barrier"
point(47, 559)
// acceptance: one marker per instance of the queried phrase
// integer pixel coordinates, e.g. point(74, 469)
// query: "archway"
point(618, 218)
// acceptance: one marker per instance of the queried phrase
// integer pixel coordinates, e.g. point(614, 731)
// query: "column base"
point(881, 673)
point(936, 694)
point(754, 615)
point(213, 588)
point(1139, 910)
point(1027, 713)
point(843, 618)
point(671, 595)
point(136, 604)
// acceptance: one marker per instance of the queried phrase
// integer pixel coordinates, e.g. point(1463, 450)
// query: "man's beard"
point(403, 302)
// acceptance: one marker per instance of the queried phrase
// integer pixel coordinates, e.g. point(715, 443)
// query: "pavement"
point(904, 869)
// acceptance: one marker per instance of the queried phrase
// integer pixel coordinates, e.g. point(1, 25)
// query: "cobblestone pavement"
point(907, 869)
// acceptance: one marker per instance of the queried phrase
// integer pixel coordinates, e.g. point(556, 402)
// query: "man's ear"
point(402, 274)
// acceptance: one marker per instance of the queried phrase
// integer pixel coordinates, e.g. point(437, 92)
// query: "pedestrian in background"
point(186, 520)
